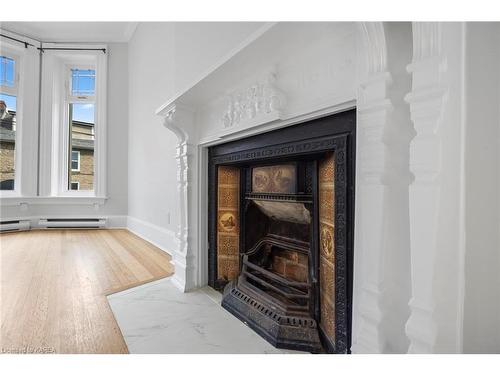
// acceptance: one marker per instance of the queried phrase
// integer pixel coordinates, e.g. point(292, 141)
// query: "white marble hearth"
point(158, 318)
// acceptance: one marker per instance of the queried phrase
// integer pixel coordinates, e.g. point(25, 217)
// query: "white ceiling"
point(73, 31)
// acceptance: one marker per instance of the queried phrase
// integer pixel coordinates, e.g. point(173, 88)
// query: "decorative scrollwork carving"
point(259, 99)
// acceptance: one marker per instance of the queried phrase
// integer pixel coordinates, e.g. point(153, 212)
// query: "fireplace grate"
point(282, 320)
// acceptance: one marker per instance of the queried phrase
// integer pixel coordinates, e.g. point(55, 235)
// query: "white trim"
point(162, 238)
point(437, 212)
point(212, 140)
point(117, 222)
point(55, 126)
point(73, 200)
point(462, 210)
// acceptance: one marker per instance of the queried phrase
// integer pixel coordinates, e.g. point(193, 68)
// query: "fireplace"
point(281, 232)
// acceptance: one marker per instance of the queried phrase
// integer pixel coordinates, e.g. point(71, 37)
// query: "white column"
point(436, 195)
point(373, 112)
point(382, 222)
point(180, 120)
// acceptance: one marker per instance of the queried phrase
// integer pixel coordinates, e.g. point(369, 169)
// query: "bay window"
point(53, 106)
point(9, 93)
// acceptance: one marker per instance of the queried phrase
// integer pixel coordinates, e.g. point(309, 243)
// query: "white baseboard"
point(116, 222)
point(162, 238)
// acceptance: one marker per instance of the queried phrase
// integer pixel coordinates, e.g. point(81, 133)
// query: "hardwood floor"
point(54, 285)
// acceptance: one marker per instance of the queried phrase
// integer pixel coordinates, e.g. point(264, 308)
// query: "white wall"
point(118, 69)
point(482, 269)
point(164, 58)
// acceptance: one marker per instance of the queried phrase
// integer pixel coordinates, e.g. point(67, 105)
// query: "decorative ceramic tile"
point(228, 196)
point(228, 231)
point(327, 169)
point(228, 266)
point(227, 245)
point(327, 200)
point(228, 175)
point(327, 283)
point(228, 222)
point(327, 244)
point(274, 179)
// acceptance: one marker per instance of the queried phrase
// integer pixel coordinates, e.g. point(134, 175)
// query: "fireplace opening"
point(280, 225)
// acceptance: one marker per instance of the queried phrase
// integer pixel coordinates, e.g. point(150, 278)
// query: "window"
point(81, 120)
point(8, 111)
point(75, 161)
point(82, 82)
point(73, 122)
point(7, 71)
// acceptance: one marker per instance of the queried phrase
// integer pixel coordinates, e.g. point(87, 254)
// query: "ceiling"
point(73, 31)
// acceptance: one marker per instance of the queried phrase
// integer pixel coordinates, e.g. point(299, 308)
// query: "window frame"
point(77, 185)
point(16, 54)
point(56, 76)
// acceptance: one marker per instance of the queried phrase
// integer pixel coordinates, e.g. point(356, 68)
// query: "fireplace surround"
point(281, 224)
point(408, 217)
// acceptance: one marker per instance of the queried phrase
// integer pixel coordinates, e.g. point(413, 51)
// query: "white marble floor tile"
point(158, 318)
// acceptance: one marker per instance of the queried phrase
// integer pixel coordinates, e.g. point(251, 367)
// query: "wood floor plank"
point(53, 287)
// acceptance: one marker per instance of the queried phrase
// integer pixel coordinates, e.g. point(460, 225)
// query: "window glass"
point(82, 82)
point(81, 163)
point(74, 186)
point(75, 160)
point(8, 104)
point(7, 71)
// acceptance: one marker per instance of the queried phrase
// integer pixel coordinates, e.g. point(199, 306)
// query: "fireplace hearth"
point(281, 232)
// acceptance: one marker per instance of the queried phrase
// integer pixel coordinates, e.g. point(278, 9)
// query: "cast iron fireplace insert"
point(281, 232)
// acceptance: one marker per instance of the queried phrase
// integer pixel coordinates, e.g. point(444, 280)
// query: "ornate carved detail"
point(427, 101)
point(179, 120)
point(426, 40)
point(301, 147)
point(259, 99)
point(373, 39)
point(342, 328)
point(374, 109)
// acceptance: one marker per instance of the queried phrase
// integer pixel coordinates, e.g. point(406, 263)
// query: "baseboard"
point(116, 222)
point(162, 238)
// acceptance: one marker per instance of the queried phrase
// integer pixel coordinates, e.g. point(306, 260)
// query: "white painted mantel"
point(287, 73)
